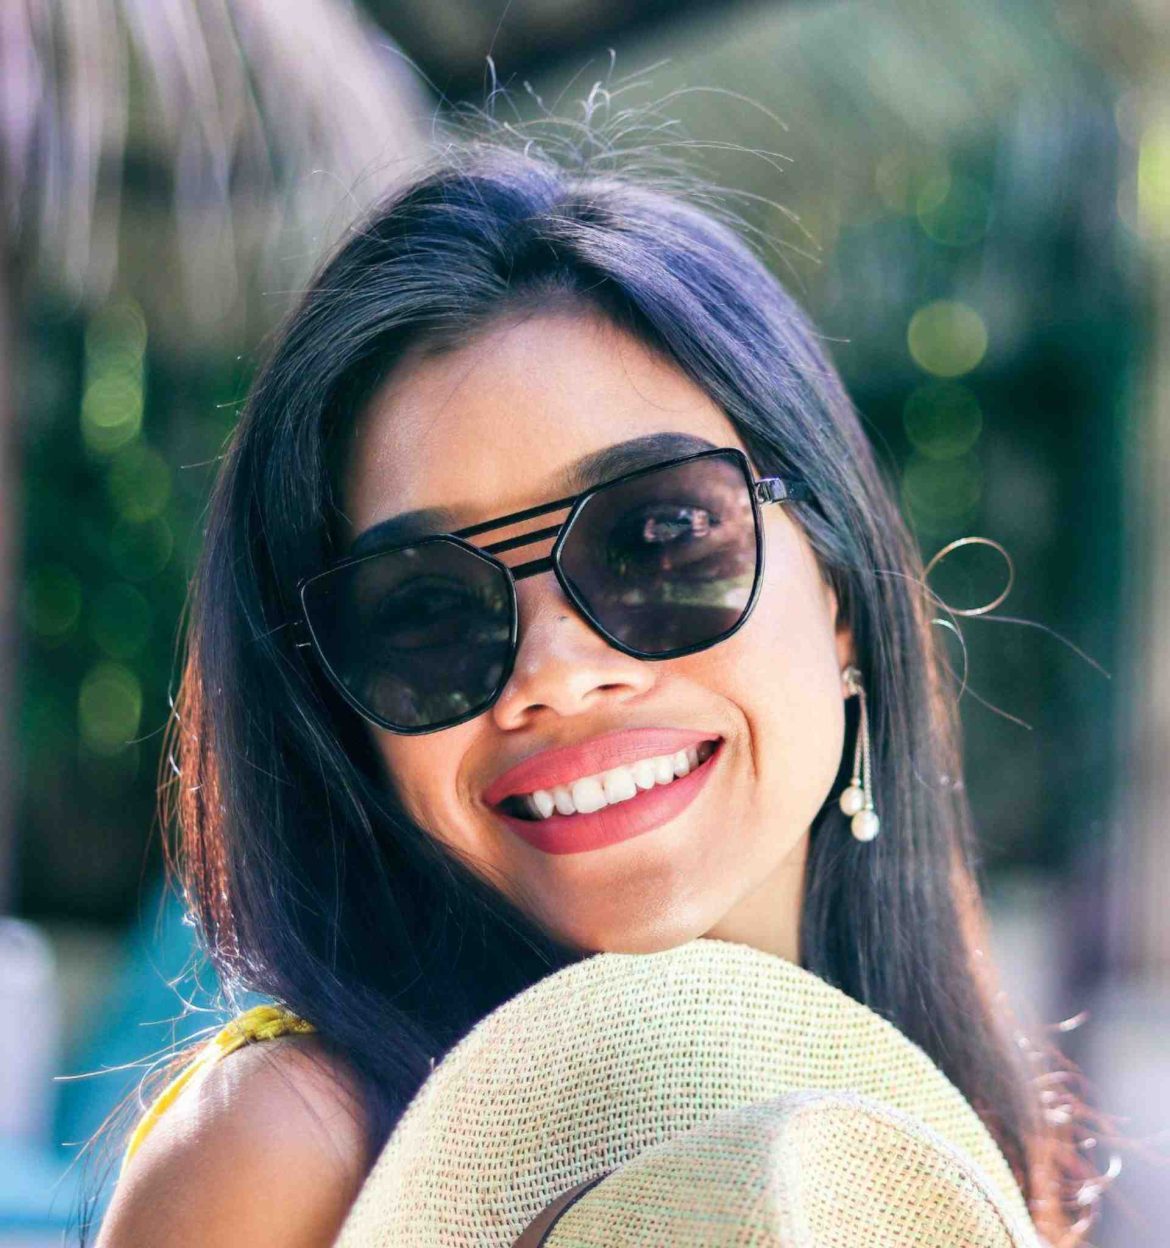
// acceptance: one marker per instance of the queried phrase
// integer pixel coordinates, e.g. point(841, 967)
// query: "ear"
point(846, 650)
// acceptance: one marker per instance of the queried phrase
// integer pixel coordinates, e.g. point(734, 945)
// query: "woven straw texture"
point(617, 1053)
point(803, 1170)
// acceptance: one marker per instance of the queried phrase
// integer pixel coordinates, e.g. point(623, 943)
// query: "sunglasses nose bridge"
point(517, 553)
point(514, 554)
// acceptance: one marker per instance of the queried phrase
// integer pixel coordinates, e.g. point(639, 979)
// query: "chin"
point(649, 938)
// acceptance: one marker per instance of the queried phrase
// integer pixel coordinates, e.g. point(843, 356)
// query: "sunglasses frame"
point(761, 490)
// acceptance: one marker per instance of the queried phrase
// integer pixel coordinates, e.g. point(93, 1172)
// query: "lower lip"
point(650, 809)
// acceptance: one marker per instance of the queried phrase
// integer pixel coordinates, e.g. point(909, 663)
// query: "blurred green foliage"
point(119, 449)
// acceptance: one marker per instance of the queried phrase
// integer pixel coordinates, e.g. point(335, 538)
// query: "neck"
point(769, 917)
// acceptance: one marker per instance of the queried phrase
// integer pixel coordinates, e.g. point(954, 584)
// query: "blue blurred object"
point(29, 1054)
point(162, 995)
point(33, 1194)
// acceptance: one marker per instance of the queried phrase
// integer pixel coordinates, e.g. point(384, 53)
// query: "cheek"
point(422, 773)
point(781, 669)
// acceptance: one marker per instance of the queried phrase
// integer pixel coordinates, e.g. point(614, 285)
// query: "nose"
point(563, 667)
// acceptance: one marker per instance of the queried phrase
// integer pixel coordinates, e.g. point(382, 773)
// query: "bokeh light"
point(947, 338)
point(113, 391)
point(109, 707)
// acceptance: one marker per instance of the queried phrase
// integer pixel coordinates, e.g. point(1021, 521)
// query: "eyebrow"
point(584, 473)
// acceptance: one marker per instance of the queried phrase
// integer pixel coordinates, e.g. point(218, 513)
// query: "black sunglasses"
point(661, 562)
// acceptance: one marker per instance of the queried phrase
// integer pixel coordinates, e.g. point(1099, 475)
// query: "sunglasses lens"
point(667, 561)
point(419, 637)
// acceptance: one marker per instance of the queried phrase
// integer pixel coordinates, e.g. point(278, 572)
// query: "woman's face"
point(492, 427)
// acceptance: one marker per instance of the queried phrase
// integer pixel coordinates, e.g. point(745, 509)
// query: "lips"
point(550, 768)
point(646, 811)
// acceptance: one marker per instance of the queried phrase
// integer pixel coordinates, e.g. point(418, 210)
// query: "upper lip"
point(587, 758)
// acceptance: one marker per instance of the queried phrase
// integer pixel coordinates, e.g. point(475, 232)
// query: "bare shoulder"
point(266, 1147)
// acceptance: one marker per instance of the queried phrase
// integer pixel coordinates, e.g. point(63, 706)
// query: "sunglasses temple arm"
point(781, 490)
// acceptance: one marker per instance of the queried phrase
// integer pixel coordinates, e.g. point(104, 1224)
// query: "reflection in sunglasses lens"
point(667, 560)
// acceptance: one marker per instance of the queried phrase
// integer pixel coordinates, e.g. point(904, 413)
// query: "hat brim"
point(617, 1053)
point(800, 1170)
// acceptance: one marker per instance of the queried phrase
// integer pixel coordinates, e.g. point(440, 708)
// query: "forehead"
point(490, 427)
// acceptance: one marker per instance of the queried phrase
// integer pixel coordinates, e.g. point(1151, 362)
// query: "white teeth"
point(588, 795)
point(619, 784)
point(643, 771)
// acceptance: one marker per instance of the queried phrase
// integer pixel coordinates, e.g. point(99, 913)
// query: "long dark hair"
point(305, 878)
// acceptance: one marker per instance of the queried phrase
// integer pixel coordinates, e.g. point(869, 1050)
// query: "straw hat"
point(709, 1094)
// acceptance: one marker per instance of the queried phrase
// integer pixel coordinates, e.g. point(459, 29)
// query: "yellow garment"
point(261, 1022)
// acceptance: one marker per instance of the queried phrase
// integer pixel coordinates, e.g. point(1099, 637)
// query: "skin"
point(216, 1169)
point(484, 429)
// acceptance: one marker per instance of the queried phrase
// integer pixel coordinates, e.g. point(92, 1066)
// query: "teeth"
point(619, 784)
point(644, 776)
point(588, 795)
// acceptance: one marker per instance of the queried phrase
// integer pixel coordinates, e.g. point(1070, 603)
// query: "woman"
point(379, 800)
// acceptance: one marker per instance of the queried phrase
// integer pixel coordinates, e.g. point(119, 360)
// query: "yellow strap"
point(261, 1022)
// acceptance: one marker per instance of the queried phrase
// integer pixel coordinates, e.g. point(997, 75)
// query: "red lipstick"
point(571, 762)
point(649, 809)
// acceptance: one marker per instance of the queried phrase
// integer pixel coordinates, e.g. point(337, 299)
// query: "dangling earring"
point(857, 799)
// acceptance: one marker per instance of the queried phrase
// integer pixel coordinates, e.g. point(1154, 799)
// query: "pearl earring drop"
point(857, 799)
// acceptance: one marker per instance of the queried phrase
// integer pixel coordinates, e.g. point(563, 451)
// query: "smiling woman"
point(497, 659)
